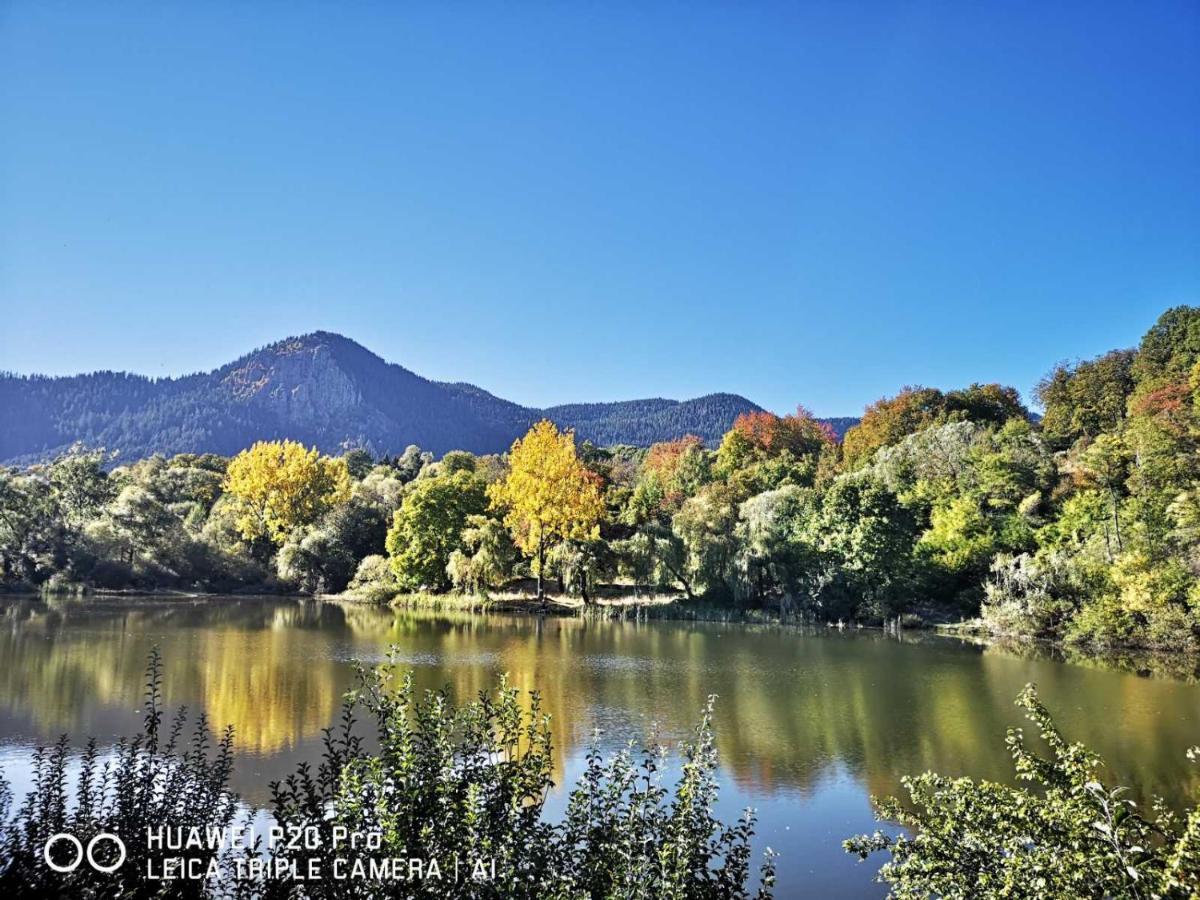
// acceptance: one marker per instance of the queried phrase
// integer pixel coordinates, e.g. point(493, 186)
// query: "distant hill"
point(322, 389)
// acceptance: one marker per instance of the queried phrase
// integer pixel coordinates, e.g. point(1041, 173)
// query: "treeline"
point(645, 422)
point(1084, 527)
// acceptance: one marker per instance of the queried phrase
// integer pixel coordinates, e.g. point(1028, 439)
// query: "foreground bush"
point(1072, 838)
point(464, 786)
point(154, 779)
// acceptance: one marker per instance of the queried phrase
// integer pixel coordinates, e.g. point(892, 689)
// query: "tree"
point(323, 557)
point(868, 536)
point(1087, 398)
point(140, 521)
point(428, 528)
point(707, 526)
point(959, 545)
point(80, 485)
point(679, 468)
point(890, 419)
point(279, 486)
point(1105, 466)
point(655, 554)
point(798, 433)
point(487, 558)
point(776, 552)
point(1169, 349)
point(992, 403)
point(358, 462)
point(456, 461)
point(33, 543)
point(548, 495)
point(409, 463)
point(930, 464)
point(763, 451)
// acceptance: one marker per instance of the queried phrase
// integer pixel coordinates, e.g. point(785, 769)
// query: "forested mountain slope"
point(322, 389)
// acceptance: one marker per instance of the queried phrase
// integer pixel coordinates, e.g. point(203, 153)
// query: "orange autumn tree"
point(548, 495)
point(798, 433)
point(662, 459)
point(667, 463)
point(764, 434)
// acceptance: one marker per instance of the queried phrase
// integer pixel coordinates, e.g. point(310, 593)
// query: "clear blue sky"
point(806, 202)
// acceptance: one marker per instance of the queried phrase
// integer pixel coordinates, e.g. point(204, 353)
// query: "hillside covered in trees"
point(322, 390)
point(1083, 527)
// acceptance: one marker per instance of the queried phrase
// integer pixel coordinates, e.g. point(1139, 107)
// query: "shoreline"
point(664, 608)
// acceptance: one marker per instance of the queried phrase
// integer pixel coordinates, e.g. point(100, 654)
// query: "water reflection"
point(819, 718)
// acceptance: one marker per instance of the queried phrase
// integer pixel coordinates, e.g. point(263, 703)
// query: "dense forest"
point(1081, 527)
point(323, 390)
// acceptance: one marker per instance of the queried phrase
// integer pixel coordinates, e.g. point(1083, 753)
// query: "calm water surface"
point(808, 724)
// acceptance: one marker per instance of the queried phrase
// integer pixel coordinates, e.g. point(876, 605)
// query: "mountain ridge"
point(323, 389)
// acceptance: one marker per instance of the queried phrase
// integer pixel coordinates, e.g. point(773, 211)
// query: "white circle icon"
point(120, 844)
point(63, 836)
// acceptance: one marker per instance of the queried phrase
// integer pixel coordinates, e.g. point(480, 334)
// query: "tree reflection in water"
point(794, 705)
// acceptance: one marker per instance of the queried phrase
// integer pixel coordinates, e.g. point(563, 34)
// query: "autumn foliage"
point(890, 419)
point(278, 486)
point(548, 494)
point(799, 433)
point(662, 459)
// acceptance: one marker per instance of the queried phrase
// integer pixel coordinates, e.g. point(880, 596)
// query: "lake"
point(809, 722)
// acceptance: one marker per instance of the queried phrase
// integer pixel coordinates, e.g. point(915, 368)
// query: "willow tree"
point(548, 495)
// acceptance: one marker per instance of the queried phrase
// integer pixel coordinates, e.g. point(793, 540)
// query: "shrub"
point(469, 783)
point(374, 581)
point(1152, 605)
point(1070, 838)
point(1033, 596)
point(154, 779)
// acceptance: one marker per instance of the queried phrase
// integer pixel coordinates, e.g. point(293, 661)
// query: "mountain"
point(321, 389)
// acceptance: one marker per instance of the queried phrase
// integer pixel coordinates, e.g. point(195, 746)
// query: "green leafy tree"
point(1105, 466)
point(867, 536)
point(1086, 399)
point(487, 557)
point(706, 525)
point(323, 558)
point(33, 538)
point(429, 526)
point(777, 552)
point(79, 485)
point(656, 556)
point(358, 463)
point(142, 523)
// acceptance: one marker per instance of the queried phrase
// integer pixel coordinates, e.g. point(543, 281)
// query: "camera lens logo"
point(81, 853)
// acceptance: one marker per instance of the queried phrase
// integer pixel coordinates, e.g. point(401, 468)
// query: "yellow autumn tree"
point(548, 495)
point(278, 486)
